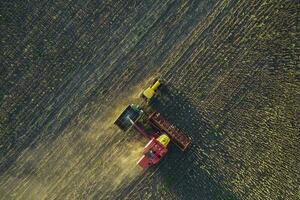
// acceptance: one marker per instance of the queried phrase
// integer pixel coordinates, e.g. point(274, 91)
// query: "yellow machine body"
point(164, 140)
point(150, 92)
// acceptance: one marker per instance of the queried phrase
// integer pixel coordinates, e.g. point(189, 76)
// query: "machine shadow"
point(188, 174)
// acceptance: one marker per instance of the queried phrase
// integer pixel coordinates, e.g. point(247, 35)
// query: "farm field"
point(231, 75)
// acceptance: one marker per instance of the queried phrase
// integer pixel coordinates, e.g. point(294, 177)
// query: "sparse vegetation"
point(231, 70)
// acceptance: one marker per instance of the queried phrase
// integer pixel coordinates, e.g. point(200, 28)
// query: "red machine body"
point(154, 151)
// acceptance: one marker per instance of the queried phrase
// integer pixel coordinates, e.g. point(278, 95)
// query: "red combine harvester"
point(163, 132)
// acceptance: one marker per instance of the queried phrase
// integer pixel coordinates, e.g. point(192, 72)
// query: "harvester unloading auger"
point(162, 130)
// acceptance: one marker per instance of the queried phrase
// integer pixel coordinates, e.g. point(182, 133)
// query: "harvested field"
point(231, 72)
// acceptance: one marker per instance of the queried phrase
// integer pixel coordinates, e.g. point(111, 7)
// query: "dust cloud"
point(81, 163)
point(73, 166)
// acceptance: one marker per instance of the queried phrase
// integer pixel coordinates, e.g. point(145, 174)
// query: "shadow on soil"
point(188, 174)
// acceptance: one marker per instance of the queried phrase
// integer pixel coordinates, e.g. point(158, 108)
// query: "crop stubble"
point(230, 71)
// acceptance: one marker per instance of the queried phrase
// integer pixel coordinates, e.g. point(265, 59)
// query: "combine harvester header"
point(178, 137)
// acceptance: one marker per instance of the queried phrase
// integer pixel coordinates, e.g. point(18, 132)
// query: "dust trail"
point(82, 163)
point(74, 166)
